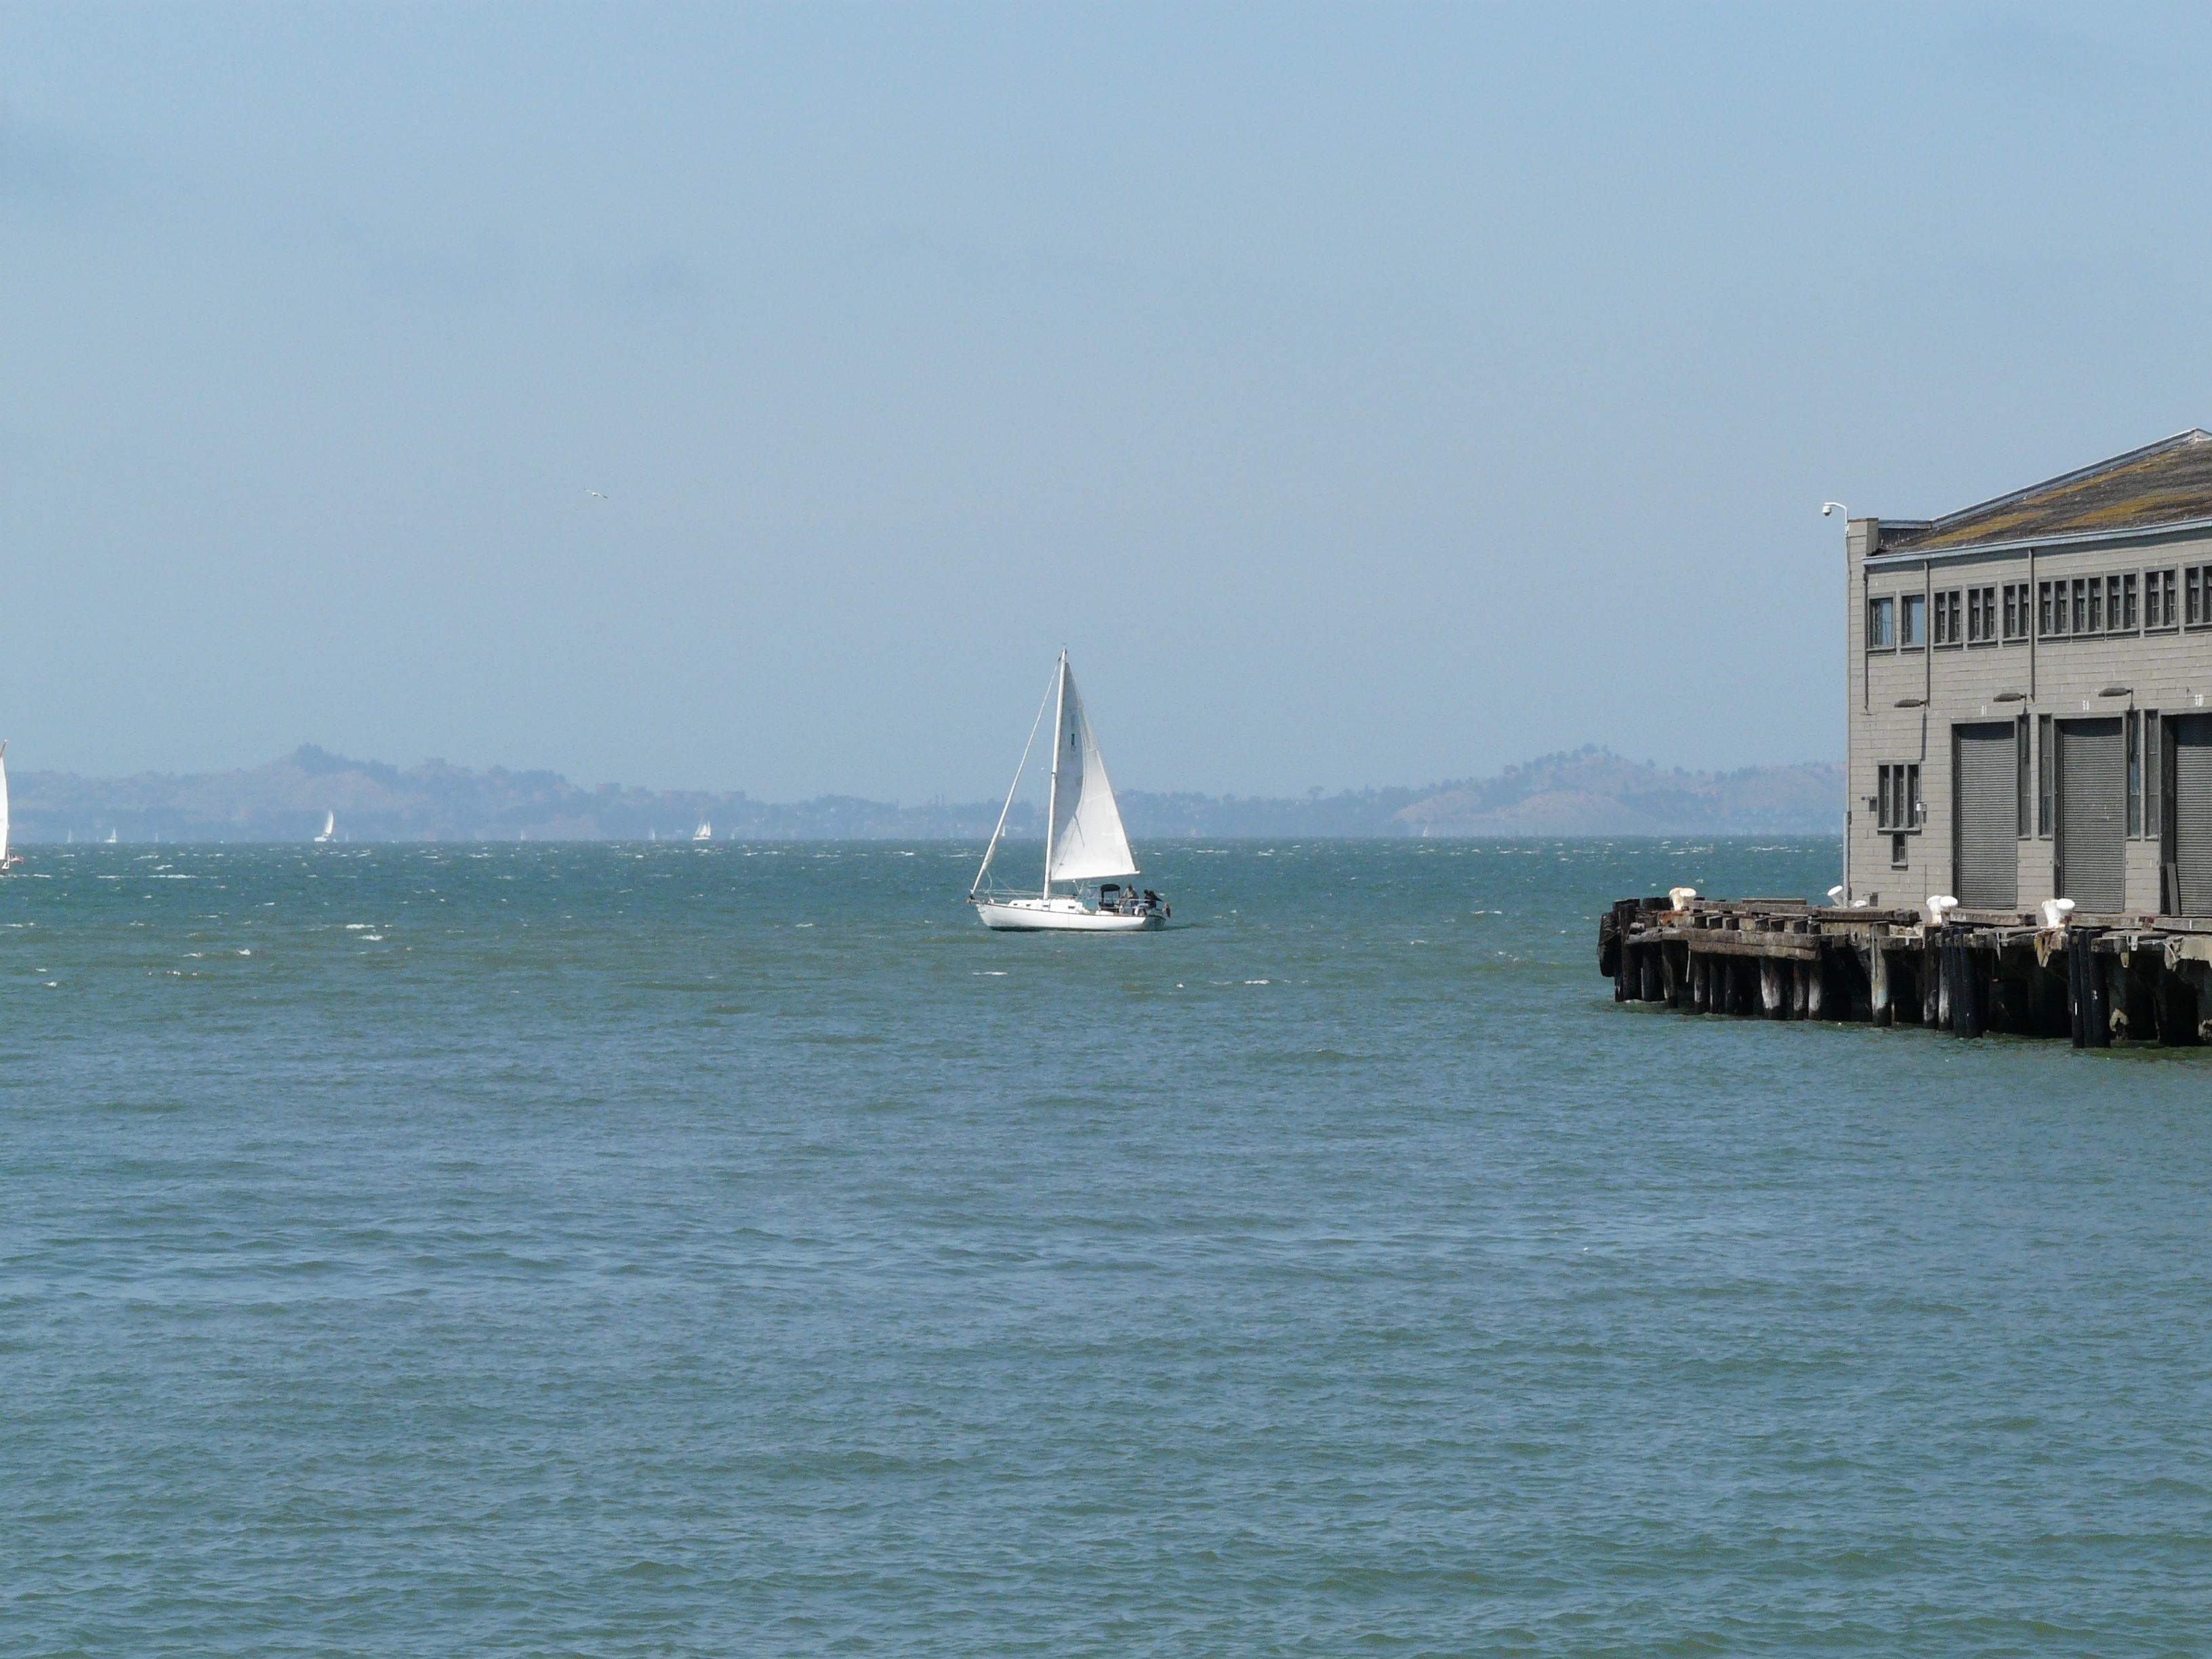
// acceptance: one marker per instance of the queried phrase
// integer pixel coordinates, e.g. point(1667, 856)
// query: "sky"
point(1363, 395)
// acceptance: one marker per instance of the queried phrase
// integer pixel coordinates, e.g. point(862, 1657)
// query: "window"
point(1912, 619)
point(2124, 618)
point(1982, 615)
point(2044, 755)
point(2154, 771)
point(2019, 609)
point(2096, 623)
point(1897, 798)
point(2158, 608)
point(1948, 618)
point(1881, 624)
point(1898, 859)
point(2133, 726)
point(2051, 607)
point(2196, 595)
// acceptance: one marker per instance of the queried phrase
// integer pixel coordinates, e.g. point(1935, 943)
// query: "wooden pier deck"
point(2099, 980)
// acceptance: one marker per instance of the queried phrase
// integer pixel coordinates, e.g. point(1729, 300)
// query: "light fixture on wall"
point(2010, 697)
point(1912, 702)
point(2118, 692)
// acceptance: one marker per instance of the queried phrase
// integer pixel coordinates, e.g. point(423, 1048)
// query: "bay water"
point(735, 1250)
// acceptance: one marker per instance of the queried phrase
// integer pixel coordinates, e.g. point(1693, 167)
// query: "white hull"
point(1059, 915)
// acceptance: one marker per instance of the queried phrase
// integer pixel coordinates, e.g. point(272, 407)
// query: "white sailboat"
point(1084, 845)
point(704, 832)
point(6, 859)
point(330, 828)
point(111, 838)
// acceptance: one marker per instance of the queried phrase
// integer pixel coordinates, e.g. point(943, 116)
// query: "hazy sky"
point(1364, 395)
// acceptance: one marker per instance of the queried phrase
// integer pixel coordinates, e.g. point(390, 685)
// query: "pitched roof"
point(2167, 483)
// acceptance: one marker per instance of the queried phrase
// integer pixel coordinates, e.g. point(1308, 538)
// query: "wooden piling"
point(2177, 1014)
point(2132, 980)
point(1968, 990)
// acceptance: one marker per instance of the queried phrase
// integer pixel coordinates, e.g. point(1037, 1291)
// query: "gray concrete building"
point(2028, 681)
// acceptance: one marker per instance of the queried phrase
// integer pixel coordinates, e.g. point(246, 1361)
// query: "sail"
point(3, 803)
point(1088, 841)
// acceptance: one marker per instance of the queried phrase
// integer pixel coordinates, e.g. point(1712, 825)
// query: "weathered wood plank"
point(1789, 947)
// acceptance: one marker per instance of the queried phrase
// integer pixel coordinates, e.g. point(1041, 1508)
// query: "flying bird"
point(594, 492)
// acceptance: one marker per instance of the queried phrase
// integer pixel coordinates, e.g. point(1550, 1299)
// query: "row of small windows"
point(2131, 602)
point(1898, 804)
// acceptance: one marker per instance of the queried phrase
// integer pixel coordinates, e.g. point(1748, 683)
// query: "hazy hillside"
point(1590, 793)
point(1594, 792)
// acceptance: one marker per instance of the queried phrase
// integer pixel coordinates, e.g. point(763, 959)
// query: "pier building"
point(2027, 841)
point(2028, 683)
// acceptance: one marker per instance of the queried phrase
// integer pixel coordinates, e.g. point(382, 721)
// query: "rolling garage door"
point(2191, 806)
point(2093, 815)
point(1986, 767)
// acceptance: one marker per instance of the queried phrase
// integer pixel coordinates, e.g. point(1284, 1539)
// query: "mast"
point(1052, 807)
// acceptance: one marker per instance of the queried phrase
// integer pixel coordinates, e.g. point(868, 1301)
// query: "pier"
point(2097, 980)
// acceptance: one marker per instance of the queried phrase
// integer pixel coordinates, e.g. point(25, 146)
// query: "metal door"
point(2092, 816)
point(2190, 822)
point(1985, 815)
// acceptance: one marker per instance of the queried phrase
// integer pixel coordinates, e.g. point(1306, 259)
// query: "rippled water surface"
point(664, 1250)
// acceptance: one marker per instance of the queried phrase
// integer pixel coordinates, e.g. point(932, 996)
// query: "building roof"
point(2167, 483)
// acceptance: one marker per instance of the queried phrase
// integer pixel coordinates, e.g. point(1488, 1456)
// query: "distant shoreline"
point(1589, 793)
point(968, 843)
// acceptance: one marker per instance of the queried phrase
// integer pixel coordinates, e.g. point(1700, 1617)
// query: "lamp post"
point(1829, 509)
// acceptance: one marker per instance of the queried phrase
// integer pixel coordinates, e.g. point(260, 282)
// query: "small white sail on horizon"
point(704, 832)
point(330, 828)
point(1084, 840)
point(5, 860)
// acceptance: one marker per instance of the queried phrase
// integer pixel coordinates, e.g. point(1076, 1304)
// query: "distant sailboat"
point(111, 838)
point(1084, 840)
point(5, 860)
point(330, 828)
point(704, 832)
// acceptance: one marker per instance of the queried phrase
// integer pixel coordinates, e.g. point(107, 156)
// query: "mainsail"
point(3, 801)
point(1088, 841)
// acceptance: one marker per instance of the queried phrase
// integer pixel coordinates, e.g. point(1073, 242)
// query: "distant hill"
point(1591, 792)
point(1594, 791)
